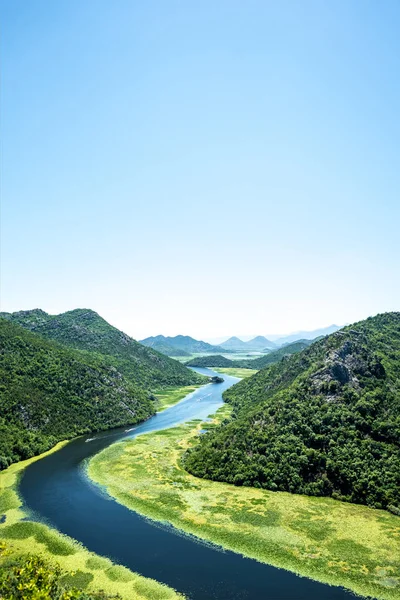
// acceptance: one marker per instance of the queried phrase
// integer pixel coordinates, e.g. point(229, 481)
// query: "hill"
point(184, 343)
point(251, 363)
point(212, 360)
point(49, 393)
point(84, 329)
point(277, 355)
point(323, 422)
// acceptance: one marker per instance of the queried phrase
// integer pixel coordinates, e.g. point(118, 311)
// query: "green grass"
point(167, 397)
point(83, 569)
point(235, 372)
point(330, 541)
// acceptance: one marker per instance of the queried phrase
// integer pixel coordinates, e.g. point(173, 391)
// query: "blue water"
point(56, 490)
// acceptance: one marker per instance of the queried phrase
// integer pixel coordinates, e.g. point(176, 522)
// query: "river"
point(56, 490)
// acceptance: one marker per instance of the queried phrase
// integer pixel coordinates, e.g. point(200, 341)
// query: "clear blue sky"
point(207, 168)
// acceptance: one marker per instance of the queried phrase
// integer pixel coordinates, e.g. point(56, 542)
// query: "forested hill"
point(277, 355)
point(212, 360)
point(49, 393)
point(324, 422)
point(84, 329)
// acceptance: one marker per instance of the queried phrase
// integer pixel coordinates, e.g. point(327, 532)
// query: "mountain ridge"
point(84, 329)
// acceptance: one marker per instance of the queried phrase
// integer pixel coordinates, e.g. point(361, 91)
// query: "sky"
point(202, 168)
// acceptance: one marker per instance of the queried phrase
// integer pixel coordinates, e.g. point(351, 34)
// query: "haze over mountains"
point(277, 340)
point(180, 345)
point(257, 344)
point(184, 345)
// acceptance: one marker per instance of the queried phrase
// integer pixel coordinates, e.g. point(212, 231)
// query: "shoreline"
point(22, 537)
point(304, 554)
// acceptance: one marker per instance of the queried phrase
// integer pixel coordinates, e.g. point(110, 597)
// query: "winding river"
point(56, 491)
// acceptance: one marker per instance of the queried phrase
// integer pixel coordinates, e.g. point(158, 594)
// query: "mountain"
point(257, 344)
point(49, 392)
point(235, 344)
point(157, 343)
point(307, 335)
point(323, 422)
point(261, 343)
point(84, 329)
point(183, 343)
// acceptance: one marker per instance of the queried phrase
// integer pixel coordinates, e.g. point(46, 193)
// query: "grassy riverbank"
point(81, 569)
point(330, 541)
point(167, 397)
point(235, 372)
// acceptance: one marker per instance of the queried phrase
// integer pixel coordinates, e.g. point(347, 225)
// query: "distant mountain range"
point(184, 345)
point(266, 344)
point(180, 345)
point(306, 335)
point(274, 356)
point(257, 344)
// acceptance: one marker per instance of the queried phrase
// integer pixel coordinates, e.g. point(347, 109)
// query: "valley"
point(254, 475)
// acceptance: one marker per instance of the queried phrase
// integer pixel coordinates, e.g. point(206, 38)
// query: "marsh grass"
point(235, 371)
point(330, 541)
point(82, 569)
point(167, 397)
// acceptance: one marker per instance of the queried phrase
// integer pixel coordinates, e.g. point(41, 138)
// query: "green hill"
point(216, 360)
point(323, 422)
point(212, 360)
point(84, 329)
point(49, 393)
point(277, 355)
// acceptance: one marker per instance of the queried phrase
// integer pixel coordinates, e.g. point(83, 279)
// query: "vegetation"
point(84, 329)
point(249, 363)
point(167, 397)
point(236, 372)
point(324, 422)
point(49, 393)
point(213, 360)
point(183, 344)
point(32, 577)
point(277, 355)
point(38, 563)
point(328, 540)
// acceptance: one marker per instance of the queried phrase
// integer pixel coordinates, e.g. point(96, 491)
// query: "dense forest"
point(323, 422)
point(49, 393)
point(212, 360)
point(84, 329)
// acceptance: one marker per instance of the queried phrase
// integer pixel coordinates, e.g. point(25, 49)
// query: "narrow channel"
point(55, 490)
